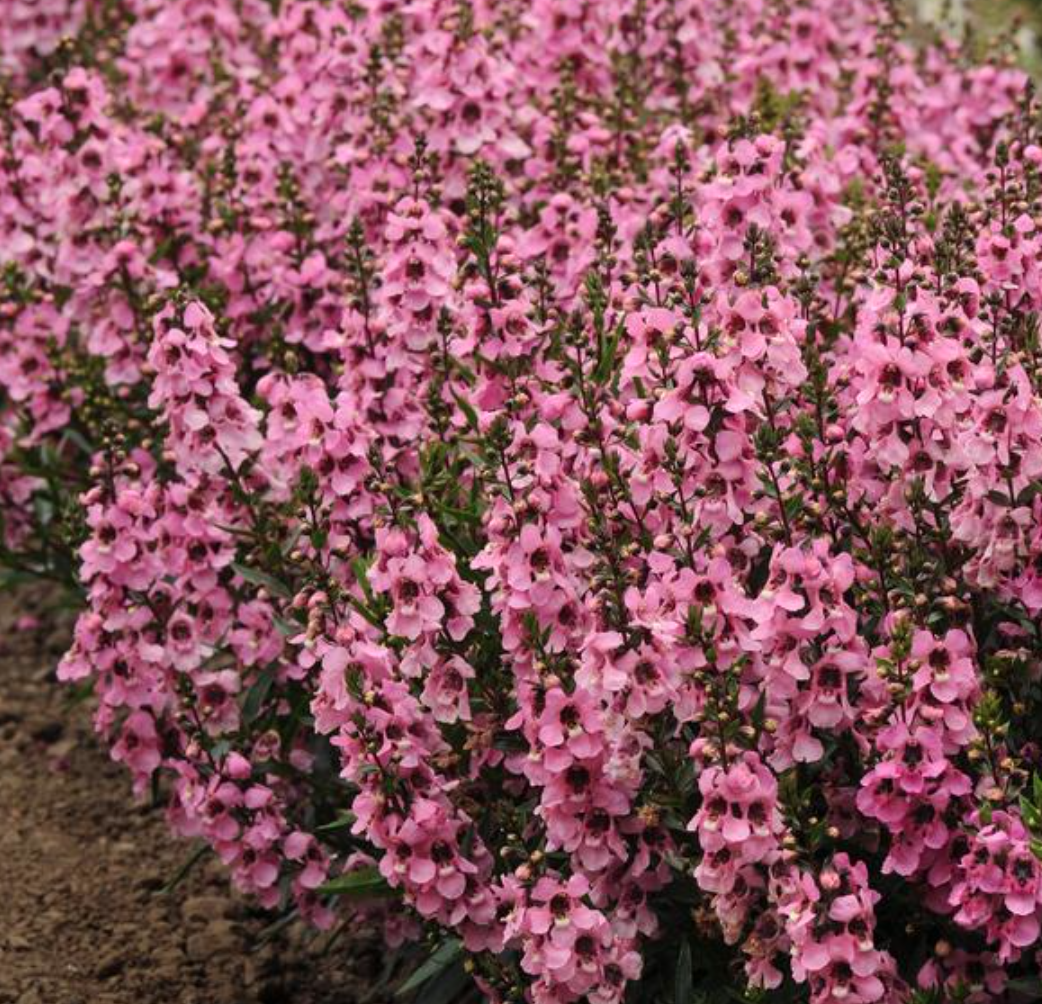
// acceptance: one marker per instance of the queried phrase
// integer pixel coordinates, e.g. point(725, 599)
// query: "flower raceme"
point(562, 481)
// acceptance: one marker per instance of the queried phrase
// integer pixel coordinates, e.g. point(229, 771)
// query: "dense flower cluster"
point(562, 479)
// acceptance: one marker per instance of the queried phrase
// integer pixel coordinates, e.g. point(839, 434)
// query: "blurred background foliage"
point(1007, 23)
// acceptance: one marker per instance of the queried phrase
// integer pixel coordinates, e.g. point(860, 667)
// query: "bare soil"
point(83, 915)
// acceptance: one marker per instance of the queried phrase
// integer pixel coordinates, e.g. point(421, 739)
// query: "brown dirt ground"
point(83, 919)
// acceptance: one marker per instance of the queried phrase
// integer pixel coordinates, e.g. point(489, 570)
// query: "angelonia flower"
point(561, 482)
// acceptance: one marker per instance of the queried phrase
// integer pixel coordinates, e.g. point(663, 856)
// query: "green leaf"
point(44, 510)
point(292, 540)
point(1030, 985)
point(360, 567)
point(193, 859)
point(468, 411)
point(342, 823)
point(262, 579)
point(286, 628)
point(257, 695)
point(364, 883)
point(606, 363)
point(449, 988)
point(11, 577)
point(1027, 495)
point(440, 960)
point(76, 438)
point(683, 981)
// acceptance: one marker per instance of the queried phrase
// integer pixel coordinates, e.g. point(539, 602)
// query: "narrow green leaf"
point(606, 363)
point(1030, 985)
point(287, 628)
point(257, 578)
point(343, 823)
point(194, 858)
point(360, 567)
point(468, 411)
point(683, 980)
point(440, 960)
point(365, 883)
point(257, 695)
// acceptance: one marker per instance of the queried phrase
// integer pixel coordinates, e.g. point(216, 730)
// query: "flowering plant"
point(562, 480)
